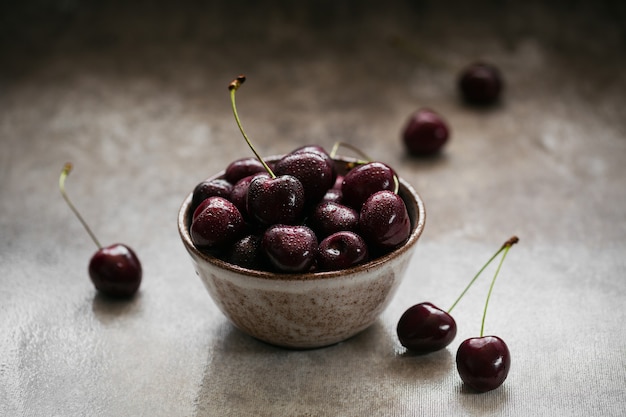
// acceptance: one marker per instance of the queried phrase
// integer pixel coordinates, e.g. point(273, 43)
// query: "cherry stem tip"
point(67, 168)
point(505, 247)
point(236, 83)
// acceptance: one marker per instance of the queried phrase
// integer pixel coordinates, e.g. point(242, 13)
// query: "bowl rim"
point(406, 190)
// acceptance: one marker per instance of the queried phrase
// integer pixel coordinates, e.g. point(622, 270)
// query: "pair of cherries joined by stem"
point(296, 214)
point(114, 270)
point(483, 362)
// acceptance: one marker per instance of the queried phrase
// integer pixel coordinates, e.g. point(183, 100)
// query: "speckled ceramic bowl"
point(306, 310)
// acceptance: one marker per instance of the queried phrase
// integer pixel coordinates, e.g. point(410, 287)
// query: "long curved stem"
point(493, 281)
point(353, 148)
point(66, 171)
point(506, 245)
point(233, 87)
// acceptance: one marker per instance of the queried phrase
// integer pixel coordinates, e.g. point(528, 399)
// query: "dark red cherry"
point(239, 193)
point(320, 151)
point(425, 328)
point(248, 253)
point(425, 133)
point(364, 180)
point(480, 83)
point(290, 248)
point(241, 168)
point(115, 271)
point(329, 217)
point(275, 200)
point(483, 362)
point(217, 187)
point(314, 171)
point(216, 223)
point(341, 250)
point(384, 221)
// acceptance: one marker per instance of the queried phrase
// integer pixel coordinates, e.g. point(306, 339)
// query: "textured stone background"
point(135, 96)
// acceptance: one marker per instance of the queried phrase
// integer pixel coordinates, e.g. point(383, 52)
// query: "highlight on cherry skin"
point(115, 270)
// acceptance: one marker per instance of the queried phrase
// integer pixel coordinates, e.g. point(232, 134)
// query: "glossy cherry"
point(425, 133)
point(329, 217)
point(290, 248)
point(425, 328)
point(241, 168)
point(480, 83)
point(114, 270)
point(239, 193)
point(248, 253)
point(216, 224)
point(364, 180)
point(275, 200)
point(341, 250)
point(384, 221)
point(217, 187)
point(483, 362)
point(312, 169)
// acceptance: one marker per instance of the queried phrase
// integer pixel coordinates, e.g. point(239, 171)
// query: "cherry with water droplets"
point(341, 250)
point(216, 223)
point(216, 187)
point(425, 133)
point(480, 83)
point(364, 180)
point(248, 253)
point(313, 170)
point(384, 221)
point(290, 248)
point(329, 217)
point(275, 200)
point(114, 270)
point(241, 168)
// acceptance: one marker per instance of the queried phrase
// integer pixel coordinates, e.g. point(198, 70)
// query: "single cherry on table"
point(481, 84)
point(425, 133)
point(114, 270)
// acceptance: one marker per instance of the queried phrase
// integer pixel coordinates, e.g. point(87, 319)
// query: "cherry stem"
point(513, 240)
point(507, 246)
point(66, 171)
point(353, 148)
point(233, 87)
point(337, 145)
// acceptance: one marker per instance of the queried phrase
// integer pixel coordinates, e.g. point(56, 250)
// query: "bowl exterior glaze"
point(308, 310)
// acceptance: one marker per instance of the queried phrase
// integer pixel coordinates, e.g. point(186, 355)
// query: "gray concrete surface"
point(135, 96)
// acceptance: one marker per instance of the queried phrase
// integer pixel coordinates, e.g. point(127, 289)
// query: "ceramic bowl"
point(306, 310)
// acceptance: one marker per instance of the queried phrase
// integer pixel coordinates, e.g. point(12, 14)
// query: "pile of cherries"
point(298, 213)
